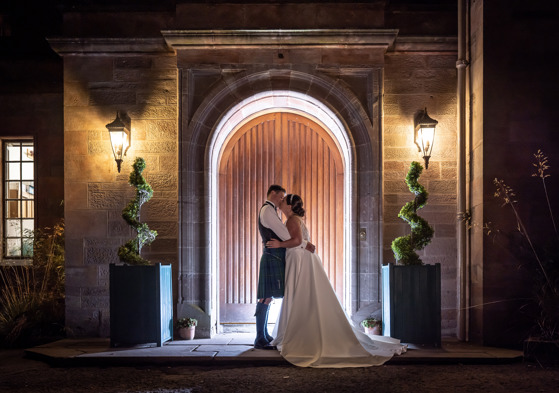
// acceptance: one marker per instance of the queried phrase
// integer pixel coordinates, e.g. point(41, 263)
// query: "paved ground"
point(236, 349)
point(456, 367)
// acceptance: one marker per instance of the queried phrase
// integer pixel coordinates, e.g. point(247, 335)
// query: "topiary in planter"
point(404, 247)
point(130, 252)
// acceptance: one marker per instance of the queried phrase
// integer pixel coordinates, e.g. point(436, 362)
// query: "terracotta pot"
point(187, 333)
point(375, 330)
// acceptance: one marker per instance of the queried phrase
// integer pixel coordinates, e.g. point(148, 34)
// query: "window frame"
point(16, 260)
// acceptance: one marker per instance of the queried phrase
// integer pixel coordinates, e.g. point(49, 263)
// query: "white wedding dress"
point(313, 330)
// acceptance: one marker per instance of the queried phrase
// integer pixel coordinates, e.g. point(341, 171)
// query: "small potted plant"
point(187, 328)
point(372, 326)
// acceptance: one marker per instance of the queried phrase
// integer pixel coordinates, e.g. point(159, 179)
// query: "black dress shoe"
point(263, 344)
point(267, 346)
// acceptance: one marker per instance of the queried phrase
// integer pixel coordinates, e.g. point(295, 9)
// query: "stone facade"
point(175, 70)
point(369, 77)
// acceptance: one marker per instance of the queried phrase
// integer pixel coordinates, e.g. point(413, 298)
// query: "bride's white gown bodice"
point(312, 329)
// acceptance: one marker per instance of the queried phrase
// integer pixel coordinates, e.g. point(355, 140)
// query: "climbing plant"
point(130, 252)
point(405, 247)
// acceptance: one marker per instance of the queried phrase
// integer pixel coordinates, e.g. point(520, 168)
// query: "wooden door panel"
point(295, 152)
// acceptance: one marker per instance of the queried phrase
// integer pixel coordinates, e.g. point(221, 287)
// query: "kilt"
point(271, 280)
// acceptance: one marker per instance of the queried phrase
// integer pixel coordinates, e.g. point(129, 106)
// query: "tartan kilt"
point(271, 279)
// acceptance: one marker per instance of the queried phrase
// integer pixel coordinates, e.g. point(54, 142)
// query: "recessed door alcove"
point(204, 139)
point(275, 137)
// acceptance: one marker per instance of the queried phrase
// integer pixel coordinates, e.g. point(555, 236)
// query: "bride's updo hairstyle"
point(296, 204)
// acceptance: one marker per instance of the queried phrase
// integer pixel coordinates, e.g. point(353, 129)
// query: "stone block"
point(86, 222)
point(72, 302)
point(133, 62)
point(162, 245)
point(98, 147)
point(166, 229)
point(449, 171)
point(398, 65)
point(95, 302)
point(441, 61)
point(83, 276)
point(76, 196)
point(81, 118)
point(152, 98)
point(408, 153)
point(84, 322)
point(103, 275)
point(157, 208)
point(156, 147)
point(107, 196)
point(441, 247)
point(88, 68)
point(75, 94)
point(111, 97)
point(399, 166)
point(169, 163)
point(395, 187)
point(445, 230)
point(164, 112)
point(76, 141)
point(164, 62)
point(163, 181)
point(127, 75)
point(73, 251)
point(442, 187)
point(119, 228)
point(101, 255)
point(398, 140)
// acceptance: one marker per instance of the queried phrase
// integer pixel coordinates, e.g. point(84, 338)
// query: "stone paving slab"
point(237, 348)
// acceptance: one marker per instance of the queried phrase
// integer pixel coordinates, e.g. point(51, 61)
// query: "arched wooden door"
point(297, 153)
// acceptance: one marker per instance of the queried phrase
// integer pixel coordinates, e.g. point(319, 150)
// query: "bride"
point(313, 330)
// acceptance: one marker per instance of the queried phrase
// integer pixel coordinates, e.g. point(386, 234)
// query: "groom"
point(271, 280)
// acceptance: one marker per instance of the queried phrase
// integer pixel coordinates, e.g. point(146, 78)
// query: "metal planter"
point(411, 303)
point(141, 304)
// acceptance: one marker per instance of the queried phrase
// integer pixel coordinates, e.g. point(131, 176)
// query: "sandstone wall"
point(144, 87)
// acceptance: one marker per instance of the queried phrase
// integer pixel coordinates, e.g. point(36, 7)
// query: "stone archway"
point(362, 139)
point(242, 113)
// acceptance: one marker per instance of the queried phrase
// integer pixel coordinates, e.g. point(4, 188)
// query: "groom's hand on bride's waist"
point(310, 247)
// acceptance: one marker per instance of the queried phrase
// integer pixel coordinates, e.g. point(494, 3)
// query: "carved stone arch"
point(363, 131)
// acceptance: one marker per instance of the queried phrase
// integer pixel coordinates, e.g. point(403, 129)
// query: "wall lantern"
point(424, 135)
point(120, 139)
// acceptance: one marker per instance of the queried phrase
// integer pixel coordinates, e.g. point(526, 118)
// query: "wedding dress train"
point(313, 330)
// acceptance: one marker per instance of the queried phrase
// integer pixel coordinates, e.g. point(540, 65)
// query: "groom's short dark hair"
point(275, 188)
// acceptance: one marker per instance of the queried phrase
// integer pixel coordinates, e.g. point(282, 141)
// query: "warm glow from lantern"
point(425, 135)
point(120, 139)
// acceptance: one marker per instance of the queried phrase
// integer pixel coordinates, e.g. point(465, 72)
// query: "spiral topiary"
point(404, 247)
point(130, 252)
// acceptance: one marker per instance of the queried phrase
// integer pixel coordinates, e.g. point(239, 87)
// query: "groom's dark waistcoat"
point(266, 233)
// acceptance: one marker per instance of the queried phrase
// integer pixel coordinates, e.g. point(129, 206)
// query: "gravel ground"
point(19, 374)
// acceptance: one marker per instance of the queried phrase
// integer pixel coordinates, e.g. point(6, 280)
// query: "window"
point(18, 198)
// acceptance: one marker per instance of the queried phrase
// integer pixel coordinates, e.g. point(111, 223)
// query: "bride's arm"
point(294, 229)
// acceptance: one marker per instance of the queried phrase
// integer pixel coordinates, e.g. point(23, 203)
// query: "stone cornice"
point(109, 46)
point(296, 38)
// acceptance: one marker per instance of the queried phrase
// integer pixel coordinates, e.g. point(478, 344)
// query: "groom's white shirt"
point(270, 219)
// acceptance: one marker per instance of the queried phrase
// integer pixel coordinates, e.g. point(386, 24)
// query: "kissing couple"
point(313, 329)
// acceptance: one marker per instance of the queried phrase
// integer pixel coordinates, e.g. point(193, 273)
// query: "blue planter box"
point(411, 303)
point(141, 301)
